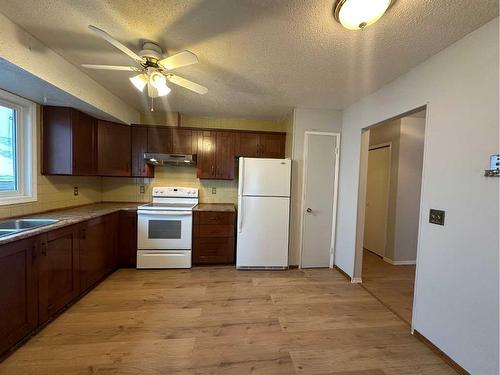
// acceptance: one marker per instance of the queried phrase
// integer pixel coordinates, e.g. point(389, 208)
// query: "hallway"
point(392, 285)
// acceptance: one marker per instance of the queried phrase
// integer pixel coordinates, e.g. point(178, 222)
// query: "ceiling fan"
point(155, 69)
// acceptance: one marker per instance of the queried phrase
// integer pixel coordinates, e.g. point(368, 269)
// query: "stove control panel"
point(175, 192)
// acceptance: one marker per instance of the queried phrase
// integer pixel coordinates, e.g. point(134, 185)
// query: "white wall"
point(457, 265)
point(25, 51)
point(410, 163)
point(303, 120)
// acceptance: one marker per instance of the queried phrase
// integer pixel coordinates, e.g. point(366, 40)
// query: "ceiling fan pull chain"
point(152, 108)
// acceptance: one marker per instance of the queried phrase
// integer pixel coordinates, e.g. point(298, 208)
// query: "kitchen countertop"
point(68, 216)
point(218, 207)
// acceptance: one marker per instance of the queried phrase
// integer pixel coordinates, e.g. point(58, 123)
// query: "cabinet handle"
point(83, 234)
point(213, 168)
point(44, 248)
point(33, 251)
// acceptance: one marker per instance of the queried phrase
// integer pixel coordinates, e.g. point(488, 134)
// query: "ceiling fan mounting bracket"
point(151, 51)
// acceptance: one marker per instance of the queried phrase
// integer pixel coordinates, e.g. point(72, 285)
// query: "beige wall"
point(56, 191)
point(128, 189)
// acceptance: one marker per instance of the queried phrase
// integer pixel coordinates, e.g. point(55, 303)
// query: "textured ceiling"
point(258, 58)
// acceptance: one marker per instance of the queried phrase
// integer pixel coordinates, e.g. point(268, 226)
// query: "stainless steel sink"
point(18, 225)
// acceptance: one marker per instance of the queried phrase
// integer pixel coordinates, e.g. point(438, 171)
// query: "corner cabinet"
point(69, 141)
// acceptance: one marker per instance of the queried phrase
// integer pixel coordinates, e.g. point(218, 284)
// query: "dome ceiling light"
point(358, 14)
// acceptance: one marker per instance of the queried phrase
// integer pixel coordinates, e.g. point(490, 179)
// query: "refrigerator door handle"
point(240, 213)
point(241, 172)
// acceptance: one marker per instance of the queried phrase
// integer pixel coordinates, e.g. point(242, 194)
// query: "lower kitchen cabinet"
point(127, 238)
point(18, 291)
point(213, 235)
point(59, 281)
point(98, 255)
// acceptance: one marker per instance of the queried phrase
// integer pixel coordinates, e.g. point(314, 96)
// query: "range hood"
point(161, 159)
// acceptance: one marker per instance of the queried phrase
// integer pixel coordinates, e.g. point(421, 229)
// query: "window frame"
point(26, 150)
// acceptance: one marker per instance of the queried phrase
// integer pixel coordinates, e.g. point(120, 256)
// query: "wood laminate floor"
point(217, 320)
point(393, 285)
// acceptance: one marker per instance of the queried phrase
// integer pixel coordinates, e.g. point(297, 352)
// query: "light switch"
point(436, 217)
point(75, 191)
point(142, 189)
point(214, 190)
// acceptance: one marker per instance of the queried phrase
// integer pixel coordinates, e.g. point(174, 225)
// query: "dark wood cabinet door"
point(59, 280)
point(272, 145)
point(160, 140)
point(57, 156)
point(18, 291)
point(182, 141)
point(248, 145)
point(225, 156)
point(139, 147)
point(93, 258)
point(213, 237)
point(84, 140)
point(127, 238)
point(111, 241)
point(114, 149)
point(206, 161)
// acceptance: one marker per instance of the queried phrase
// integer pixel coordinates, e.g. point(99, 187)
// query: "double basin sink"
point(14, 226)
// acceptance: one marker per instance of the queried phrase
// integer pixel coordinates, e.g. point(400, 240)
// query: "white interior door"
point(377, 199)
point(320, 174)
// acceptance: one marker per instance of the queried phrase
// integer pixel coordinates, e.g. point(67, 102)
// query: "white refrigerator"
point(263, 213)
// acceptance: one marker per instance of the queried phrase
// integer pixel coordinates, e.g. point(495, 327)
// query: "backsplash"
point(128, 189)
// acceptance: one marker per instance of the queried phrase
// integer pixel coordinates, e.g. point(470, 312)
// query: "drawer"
point(214, 231)
point(213, 250)
point(212, 217)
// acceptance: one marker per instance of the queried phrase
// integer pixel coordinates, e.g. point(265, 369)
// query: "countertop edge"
point(68, 216)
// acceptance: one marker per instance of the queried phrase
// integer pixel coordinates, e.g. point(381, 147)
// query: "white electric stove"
point(165, 228)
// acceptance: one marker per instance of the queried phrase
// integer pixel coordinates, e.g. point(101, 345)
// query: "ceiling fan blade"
point(187, 84)
point(111, 67)
point(103, 34)
point(178, 60)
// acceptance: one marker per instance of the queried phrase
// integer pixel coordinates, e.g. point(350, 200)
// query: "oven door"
point(164, 230)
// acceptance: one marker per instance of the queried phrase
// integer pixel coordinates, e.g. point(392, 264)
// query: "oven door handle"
point(168, 213)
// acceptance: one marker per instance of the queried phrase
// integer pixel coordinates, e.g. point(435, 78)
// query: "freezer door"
point(264, 177)
point(262, 240)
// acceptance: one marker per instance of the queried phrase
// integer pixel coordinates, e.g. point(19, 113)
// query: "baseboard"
point(400, 262)
point(356, 280)
point(459, 369)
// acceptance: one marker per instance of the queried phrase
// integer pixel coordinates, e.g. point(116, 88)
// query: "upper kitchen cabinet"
point(69, 141)
point(160, 140)
point(140, 146)
point(183, 142)
point(113, 149)
point(206, 158)
point(261, 145)
point(225, 155)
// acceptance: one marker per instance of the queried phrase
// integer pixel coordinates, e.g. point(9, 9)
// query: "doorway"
point(391, 190)
point(319, 201)
point(377, 198)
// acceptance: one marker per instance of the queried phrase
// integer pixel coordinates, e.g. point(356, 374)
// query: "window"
point(17, 150)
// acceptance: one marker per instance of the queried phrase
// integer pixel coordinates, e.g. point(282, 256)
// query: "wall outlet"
point(214, 190)
point(142, 189)
point(75, 191)
point(436, 217)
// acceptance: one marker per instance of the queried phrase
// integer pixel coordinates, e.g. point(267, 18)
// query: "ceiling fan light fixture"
point(139, 81)
point(358, 14)
point(159, 82)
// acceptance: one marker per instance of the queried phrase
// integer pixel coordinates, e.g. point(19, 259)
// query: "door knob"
point(309, 210)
